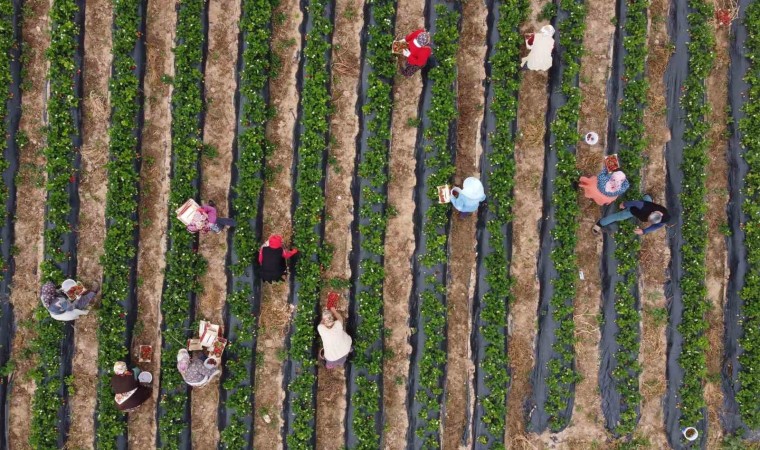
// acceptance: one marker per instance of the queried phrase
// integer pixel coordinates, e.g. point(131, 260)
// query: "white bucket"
point(690, 433)
point(145, 377)
point(591, 138)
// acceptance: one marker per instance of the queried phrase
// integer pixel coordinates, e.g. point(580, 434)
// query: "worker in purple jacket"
point(645, 210)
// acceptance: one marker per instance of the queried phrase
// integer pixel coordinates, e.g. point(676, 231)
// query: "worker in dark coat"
point(273, 259)
point(128, 392)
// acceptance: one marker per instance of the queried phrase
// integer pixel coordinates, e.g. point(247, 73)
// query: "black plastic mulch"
point(674, 77)
point(737, 254)
point(547, 324)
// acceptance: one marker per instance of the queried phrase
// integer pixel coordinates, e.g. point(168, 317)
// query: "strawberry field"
point(515, 327)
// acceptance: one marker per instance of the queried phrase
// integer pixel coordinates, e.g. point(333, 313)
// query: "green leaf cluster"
point(506, 84)
point(561, 376)
point(184, 265)
point(253, 148)
point(631, 146)
point(693, 325)
point(315, 103)
point(8, 46)
point(438, 160)
point(373, 167)
point(749, 374)
point(121, 210)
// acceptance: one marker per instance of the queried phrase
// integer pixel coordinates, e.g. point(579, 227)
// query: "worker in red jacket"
point(273, 259)
point(417, 52)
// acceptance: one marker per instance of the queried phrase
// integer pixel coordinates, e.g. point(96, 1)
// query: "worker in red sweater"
point(417, 52)
point(273, 259)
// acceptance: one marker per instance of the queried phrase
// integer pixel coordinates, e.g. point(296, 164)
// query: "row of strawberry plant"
point(47, 429)
point(308, 223)
point(749, 359)
point(436, 158)
point(184, 265)
point(631, 144)
point(252, 150)
point(498, 173)
point(365, 393)
point(693, 326)
point(561, 377)
point(120, 249)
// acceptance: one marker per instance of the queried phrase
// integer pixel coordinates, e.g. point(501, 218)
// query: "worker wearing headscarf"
point(540, 56)
point(273, 259)
point(467, 200)
point(606, 187)
point(417, 52)
point(193, 371)
point(128, 392)
point(336, 343)
point(60, 306)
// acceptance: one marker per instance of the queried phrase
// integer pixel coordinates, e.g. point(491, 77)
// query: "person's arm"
point(261, 254)
point(652, 228)
point(288, 253)
point(633, 204)
point(336, 314)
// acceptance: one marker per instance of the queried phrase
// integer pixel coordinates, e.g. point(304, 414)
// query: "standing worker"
point(645, 210)
point(540, 46)
point(336, 343)
point(467, 200)
point(417, 52)
point(274, 259)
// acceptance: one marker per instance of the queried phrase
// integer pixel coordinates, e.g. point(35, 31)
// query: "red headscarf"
point(275, 241)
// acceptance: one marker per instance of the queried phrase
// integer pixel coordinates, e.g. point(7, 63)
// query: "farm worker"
point(128, 392)
point(212, 222)
point(645, 210)
point(606, 187)
point(60, 306)
point(273, 259)
point(336, 343)
point(193, 371)
point(417, 52)
point(467, 200)
point(540, 46)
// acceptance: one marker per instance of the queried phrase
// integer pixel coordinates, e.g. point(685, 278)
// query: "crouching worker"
point(336, 343)
point(274, 259)
point(128, 392)
point(467, 200)
point(69, 301)
point(540, 46)
point(210, 222)
point(194, 371)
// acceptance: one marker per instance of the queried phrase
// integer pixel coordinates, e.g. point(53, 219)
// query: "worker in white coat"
point(540, 46)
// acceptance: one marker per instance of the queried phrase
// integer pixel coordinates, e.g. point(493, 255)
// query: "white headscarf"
point(183, 360)
point(120, 367)
point(547, 30)
point(472, 188)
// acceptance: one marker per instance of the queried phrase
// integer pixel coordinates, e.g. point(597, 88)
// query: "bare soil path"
point(529, 163)
point(462, 253)
point(587, 424)
point(96, 110)
point(655, 253)
point(28, 223)
point(153, 208)
point(344, 126)
point(717, 200)
point(275, 312)
point(399, 239)
point(219, 133)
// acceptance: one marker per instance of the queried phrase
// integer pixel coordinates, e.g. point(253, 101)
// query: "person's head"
point(120, 368)
point(655, 217)
point(423, 38)
point(327, 318)
point(616, 181)
point(275, 241)
point(547, 30)
point(48, 293)
point(183, 360)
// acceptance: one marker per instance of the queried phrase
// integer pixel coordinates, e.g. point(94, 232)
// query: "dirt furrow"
point(529, 168)
point(219, 132)
point(28, 224)
point(399, 240)
point(153, 209)
point(344, 126)
point(717, 199)
point(655, 252)
point(92, 197)
point(460, 369)
point(275, 311)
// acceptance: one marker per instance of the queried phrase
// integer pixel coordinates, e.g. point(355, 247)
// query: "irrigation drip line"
point(547, 323)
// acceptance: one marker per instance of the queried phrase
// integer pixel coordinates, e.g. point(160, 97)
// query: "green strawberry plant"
point(60, 156)
point(693, 325)
point(184, 266)
point(501, 180)
point(8, 46)
point(315, 103)
point(749, 373)
point(438, 158)
point(253, 148)
point(561, 376)
point(631, 145)
point(121, 210)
